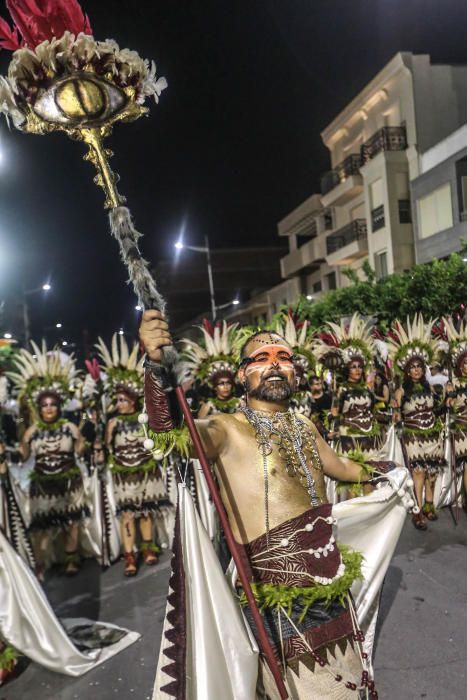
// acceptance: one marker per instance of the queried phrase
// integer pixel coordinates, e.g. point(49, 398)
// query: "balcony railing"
point(354, 231)
point(349, 166)
point(389, 138)
point(377, 218)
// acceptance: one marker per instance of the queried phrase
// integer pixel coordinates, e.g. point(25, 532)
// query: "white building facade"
point(364, 209)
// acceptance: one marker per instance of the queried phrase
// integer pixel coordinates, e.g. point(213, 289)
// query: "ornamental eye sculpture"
point(81, 100)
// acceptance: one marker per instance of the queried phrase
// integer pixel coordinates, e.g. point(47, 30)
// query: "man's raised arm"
point(164, 415)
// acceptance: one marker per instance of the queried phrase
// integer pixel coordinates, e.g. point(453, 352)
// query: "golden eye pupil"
point(79, 97)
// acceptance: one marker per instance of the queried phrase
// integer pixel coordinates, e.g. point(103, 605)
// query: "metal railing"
point(389, 138)
point(354, 231)
point(349, 166)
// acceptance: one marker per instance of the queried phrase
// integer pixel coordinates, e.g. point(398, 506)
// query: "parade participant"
point(456, 395)
point(297, 336)
point(360, 434)
point(321, 403)
point(56, 490)
point(212, 363)
point(140, 491)
point(412, 351)
point(271, 464)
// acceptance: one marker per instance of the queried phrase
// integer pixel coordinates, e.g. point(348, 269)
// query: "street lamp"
point(46, 287)
point(206, 250)
point(7, 336)
point(138, 307)
point(58, 325)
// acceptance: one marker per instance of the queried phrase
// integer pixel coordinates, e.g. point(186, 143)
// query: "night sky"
point(232, 147)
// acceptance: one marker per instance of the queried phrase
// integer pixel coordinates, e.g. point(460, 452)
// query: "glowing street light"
point(236, 302)
point(120, 332)
point(58, 325)
point(64, 342)
point(309, 297)
point(46, 287)
point(138, 307)
point(179, 245)
point(7, 336)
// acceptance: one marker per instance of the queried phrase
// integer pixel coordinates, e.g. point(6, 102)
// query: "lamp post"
point(26, 320)
point(206, 250)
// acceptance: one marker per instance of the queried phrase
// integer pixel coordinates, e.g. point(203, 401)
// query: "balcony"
point(389, 138)
point(305, 259)
point(343, 183)
point(347, 244)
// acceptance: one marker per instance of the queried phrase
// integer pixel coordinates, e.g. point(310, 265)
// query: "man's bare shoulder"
point(309, 423)
point(226, 420)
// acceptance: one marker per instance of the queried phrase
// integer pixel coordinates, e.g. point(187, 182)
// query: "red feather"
point(38, 20)
point(9, 38)
point(207, 325)
point(93, 368)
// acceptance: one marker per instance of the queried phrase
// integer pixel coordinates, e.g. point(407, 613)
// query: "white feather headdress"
point(43, 371)
point(414, 341)
point(457, 338)
point(297, 336)
point(122, 367)
point(351, 341)
point(217, 353)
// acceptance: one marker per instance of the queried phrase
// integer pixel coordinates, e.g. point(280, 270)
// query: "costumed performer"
point(270, 465)
point(412, 350)
point(361, 436)
point(56, 490)
point(138, 481)
point(456, 396)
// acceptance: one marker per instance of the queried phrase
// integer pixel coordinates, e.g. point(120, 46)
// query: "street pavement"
point(421, 642)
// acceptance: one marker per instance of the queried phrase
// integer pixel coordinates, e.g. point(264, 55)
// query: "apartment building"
point(439, 196)
point(364, 207)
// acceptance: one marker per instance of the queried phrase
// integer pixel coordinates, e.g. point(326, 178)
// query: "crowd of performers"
point(81, 445)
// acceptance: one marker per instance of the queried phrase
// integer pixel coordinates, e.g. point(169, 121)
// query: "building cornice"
point(357, 108)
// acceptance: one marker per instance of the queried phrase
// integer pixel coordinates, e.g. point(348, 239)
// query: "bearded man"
point(270, 466)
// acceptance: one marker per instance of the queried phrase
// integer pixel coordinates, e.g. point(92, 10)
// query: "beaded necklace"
point(294, 438)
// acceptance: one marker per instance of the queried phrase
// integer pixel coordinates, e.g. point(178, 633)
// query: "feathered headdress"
point(351, 341)
point(414, 342)
point(457, 339)
point(295, 333)
point(123, 370)
point(216, 355)
point(43, 372)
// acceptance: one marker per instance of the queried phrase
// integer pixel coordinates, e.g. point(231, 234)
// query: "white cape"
point(28, 622)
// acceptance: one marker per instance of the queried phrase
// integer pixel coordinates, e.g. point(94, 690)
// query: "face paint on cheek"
point(273, 354)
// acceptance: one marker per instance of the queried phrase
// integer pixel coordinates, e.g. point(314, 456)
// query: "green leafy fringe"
point(149, 546)
point(374, 432)
point(225, 406)
point(122, 469)
point(8, 658)
point(268, 595)
point(51, 426)
point(435, 430)
point(72, 558)
point(128, 417)
point(69, 474)
point(177, 439)
point(354, 488)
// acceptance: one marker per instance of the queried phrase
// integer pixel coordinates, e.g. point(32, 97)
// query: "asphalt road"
point(421, 645)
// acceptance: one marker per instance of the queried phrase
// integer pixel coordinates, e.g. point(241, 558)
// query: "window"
point(331, 279)
point(317, 287)
point(381, 265)
point(405, 213)
point(377, 218)
point(435, 211)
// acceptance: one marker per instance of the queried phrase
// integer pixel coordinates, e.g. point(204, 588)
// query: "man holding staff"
point(271, 465)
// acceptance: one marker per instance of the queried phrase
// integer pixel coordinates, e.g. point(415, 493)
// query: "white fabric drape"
point(29, 624)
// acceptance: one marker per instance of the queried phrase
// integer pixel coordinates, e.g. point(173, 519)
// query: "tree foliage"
point(434, 289)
